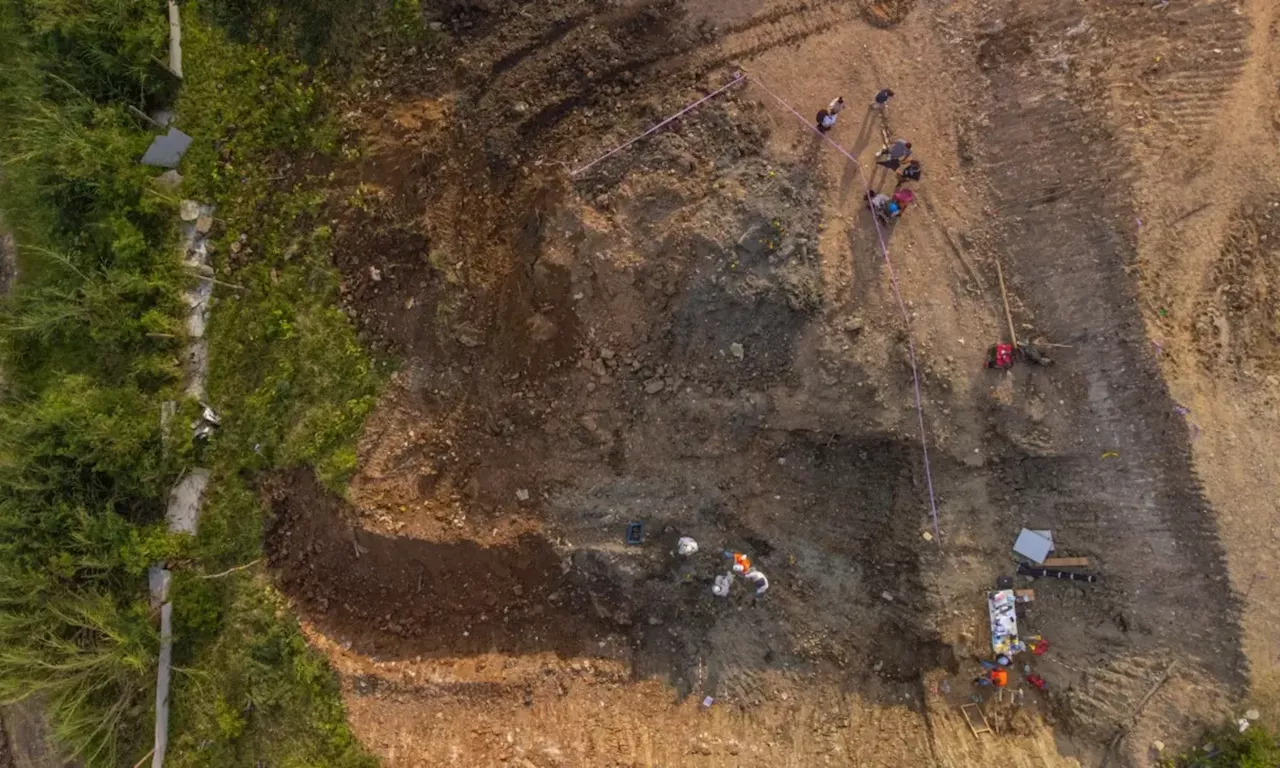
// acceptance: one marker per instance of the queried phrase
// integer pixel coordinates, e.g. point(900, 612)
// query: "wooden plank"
point(1066, 562)
point(1025, 595)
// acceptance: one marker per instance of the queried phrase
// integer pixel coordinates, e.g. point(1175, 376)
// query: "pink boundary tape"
point(738, 78)
point(897, 293)
point(884, 250)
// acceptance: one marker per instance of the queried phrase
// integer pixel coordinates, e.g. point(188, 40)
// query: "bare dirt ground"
point(700, 334)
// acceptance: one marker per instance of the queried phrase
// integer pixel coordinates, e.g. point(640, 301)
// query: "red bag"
point(1001, 356)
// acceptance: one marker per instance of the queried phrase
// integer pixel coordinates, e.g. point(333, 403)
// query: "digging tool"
point(1001, 355)
point(1004, 295)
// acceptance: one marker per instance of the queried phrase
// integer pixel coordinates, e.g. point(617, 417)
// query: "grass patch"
point(89, 346)
point(292, 385)
point(91, 341)
point(1256, 747)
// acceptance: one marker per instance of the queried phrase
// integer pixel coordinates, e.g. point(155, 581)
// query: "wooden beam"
point(1066, 562)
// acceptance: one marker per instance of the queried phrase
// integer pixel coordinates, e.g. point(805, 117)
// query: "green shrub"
point(91, 341)
point(1256, 747)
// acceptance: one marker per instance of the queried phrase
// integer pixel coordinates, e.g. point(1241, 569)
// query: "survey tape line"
point(738, 78)
point(897, 293)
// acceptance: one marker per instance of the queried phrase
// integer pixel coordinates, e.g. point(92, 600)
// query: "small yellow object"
point(927, 536)
point(1110, 455)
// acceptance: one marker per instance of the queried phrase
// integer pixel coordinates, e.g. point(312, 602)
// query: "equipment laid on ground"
point(1001, 355)
point(974, 718)
point(1004, 622)
point(1054, 573)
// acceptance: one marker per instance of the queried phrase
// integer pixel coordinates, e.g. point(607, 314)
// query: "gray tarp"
point(167, 150)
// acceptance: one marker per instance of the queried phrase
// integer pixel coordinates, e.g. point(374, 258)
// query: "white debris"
point(522, 494)
point(737, 351)
point(686, 546)
point(183, 513)
point(721, 587)
point(1252, 714)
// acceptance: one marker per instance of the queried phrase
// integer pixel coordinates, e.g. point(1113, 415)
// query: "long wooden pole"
point(1137, 712)
point(1013, 335)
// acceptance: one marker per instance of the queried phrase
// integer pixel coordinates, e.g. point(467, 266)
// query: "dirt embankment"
point(699, 335)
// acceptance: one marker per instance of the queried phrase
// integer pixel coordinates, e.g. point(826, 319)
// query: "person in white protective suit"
point(757, 579)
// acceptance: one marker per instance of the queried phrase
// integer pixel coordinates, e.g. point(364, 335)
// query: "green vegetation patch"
point(91, 343)
point(1228, 747)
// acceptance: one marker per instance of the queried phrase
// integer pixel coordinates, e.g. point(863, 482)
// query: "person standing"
point(899, 150)
point(827, 117)
point(893, 156)
point(882, 99)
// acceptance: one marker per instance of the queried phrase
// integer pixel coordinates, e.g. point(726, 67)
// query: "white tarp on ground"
point(1004, 620)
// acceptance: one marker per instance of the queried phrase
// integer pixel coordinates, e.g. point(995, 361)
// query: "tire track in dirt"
point(1178, 61)
point(1067, 222)
point(666, 52)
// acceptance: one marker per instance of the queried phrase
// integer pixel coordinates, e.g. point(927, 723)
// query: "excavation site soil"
point(700, 333)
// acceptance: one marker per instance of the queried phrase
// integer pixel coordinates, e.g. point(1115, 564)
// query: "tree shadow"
point(867, 258)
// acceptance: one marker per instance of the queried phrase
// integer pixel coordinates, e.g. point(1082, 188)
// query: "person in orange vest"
point(741, 563)
point(999, 677)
